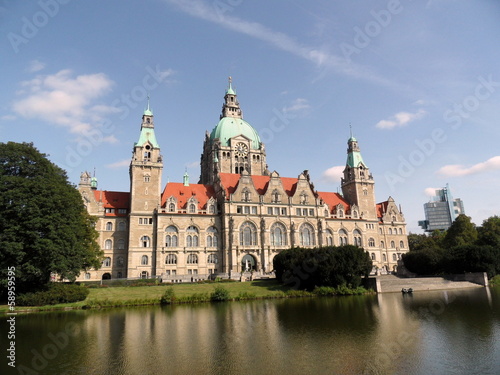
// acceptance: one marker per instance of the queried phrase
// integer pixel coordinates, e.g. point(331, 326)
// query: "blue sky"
point(418, 80)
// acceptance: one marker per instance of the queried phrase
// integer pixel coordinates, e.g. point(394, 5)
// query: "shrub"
point(56, 293)
point(219, 294)
point(168, 297)
point(245, 295)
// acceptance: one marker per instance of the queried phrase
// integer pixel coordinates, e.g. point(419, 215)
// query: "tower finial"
point(350, 128)
point(148, 111)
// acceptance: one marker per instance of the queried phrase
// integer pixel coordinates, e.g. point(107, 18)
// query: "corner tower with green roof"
point(146, 167)
point(358, 186)
point(233, 146)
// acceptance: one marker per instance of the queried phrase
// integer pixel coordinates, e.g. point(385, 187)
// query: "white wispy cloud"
point(400, 119)
point(430, 191)
point(65, 99)
point(457, 170)
point(193, 164)
point(333, 174)
point(119, 164)
point(35, 66)
point(297, 105)
point(218, 14)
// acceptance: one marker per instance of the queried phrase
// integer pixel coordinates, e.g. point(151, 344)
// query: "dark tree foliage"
point(326, 266)
point(427, 261)
point(418, 242)
point(461, 232)
point(462, 248)
point(489, 232)
point(44, 226)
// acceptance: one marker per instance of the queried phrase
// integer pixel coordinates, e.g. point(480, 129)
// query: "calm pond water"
point(453, 332)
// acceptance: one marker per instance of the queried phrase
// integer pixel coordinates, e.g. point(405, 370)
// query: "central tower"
point(233, 146)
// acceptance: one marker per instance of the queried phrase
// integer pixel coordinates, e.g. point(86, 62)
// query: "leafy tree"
point(461, 232)
point(44, 226)
point(424, 262)
point(418, 242)
point(489, 232)
point(325, 266)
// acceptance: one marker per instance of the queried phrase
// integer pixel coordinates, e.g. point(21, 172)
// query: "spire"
point(230, 88)
point(231, 107)
point(148, 111)
point(351, 139)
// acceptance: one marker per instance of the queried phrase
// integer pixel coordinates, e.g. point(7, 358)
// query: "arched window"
point(192, 259)
point(394, 257)
point(355, 214)
point(248, 234)
point(400, 231)
point(341, 213)
point(393, 245)
point(278, 235)
point(306, 233)
point(109, 225)
point(384, 258)
point(357, 238)
point(171, 259)
point(401, 244)
point(373, 256)
point(212, 259)
point(276, 196)
point(380, 231)
point(120, 262)
point(192, 208)
point(382, 244)
point(144, 260)
point(192, 236)
point(371, 242)
point(245, 195)
point(211, 209)
point(171, 207)
point(144, 274)
point(106, 262)
point(145, 241)
point(108, 244)
point(121, 244)
point(327, 214)
point(329, 237)
point(343, 237)
point(212, 237)
point(122, 226)
point(390, 230)
point(171, 237)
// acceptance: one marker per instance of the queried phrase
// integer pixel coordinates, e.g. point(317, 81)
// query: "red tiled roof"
point(230, 183)
point(382, 208)
point(114, 200)
point(182, 193)
point(333, 199)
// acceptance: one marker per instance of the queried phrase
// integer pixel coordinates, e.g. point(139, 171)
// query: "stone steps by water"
point(390, 283)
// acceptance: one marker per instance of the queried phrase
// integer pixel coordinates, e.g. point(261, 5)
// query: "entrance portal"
point(248, 263)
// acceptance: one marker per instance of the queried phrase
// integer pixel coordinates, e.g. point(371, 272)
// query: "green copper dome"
point(229, 127)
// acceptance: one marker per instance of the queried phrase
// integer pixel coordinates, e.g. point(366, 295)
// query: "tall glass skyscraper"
point(441, 211)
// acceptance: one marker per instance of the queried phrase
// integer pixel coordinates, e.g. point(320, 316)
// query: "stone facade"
point(239, 216)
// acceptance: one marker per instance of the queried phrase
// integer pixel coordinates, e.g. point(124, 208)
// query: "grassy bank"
point(100, 297)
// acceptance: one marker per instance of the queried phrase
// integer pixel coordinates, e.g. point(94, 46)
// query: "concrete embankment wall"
point(391, 283)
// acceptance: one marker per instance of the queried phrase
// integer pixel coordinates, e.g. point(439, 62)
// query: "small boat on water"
point(407, 290)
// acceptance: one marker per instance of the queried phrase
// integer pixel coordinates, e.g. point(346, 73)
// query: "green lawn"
point(151, 294)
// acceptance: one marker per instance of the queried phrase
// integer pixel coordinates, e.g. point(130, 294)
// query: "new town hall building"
point(239, 215)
